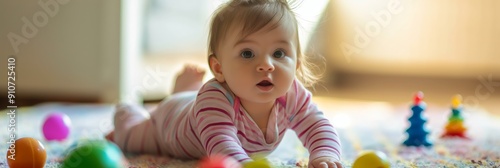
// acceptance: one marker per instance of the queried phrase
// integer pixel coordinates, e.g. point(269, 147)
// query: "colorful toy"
point(95, 153)
point(27, 152)
point(259, 163)
point(56, 127)
point(371, 159)
point(218, 161)
point(455, 126)
point(417, 134)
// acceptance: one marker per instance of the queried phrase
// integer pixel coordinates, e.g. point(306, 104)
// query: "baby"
point(257, 93)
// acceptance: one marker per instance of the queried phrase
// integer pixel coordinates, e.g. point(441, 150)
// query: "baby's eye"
point(279, 54)
point(247, 54)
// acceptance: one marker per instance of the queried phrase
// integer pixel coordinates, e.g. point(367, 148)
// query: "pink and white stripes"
point(192, 125)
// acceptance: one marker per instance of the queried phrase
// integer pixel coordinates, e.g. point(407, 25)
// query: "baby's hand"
point(325, 162)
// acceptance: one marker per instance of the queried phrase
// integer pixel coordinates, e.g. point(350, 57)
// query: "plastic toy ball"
point(371, 159)
point(96, 154)
point(261, 163)
point(26, 152)
point(56, 127)
point(218, 161)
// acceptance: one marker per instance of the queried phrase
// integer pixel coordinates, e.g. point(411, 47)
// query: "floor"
point(361, 126)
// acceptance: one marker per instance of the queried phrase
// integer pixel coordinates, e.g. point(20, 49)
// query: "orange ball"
point(26, 152)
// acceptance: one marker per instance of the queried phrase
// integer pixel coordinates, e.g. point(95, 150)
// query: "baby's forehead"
point(238, 31)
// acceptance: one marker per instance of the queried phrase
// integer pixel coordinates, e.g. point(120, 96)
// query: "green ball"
point(96, 154)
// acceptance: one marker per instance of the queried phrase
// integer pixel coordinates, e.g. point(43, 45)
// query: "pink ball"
point(218, 161)
point(56, 127)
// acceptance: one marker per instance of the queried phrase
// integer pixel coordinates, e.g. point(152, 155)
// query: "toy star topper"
point(456, 101)
point(418, 97)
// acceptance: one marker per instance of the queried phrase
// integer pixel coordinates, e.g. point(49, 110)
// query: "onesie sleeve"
point(311, 126)
point(215, 117)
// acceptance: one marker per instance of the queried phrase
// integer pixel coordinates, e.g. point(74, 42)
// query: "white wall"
point(74, 52)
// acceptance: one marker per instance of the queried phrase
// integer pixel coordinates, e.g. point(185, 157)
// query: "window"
point(175, 27)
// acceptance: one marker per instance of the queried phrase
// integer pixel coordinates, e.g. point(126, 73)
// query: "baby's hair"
point(253, 15)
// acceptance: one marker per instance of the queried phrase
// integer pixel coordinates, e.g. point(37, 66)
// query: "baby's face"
point(260, 67)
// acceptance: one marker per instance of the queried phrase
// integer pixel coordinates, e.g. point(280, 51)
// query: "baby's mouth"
point(265, 85)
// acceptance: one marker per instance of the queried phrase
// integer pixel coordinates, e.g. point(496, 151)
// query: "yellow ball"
point(261, 163)
point(371, 159)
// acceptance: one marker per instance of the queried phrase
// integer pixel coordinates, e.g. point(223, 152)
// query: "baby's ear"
point(216, 68)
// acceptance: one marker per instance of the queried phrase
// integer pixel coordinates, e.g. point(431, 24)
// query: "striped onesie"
point(191, 125)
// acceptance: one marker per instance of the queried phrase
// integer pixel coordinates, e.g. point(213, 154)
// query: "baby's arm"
point(311, 126)
point(216, 130)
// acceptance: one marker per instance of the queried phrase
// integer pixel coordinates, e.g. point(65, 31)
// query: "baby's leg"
point(134, 131)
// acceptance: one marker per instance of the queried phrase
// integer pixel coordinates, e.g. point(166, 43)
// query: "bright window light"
point(309, 14)
point(175, 27)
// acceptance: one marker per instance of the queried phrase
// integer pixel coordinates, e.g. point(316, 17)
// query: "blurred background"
point(113, 51)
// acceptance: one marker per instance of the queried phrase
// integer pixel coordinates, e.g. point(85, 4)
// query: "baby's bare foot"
point(189, 79)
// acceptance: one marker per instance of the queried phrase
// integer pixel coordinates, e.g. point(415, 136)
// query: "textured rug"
point(361, 125)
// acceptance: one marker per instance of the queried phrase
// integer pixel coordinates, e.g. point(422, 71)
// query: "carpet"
point(361, 126)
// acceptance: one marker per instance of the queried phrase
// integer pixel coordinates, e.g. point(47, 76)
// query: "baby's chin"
point(263, 98)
